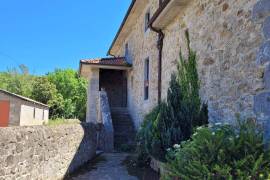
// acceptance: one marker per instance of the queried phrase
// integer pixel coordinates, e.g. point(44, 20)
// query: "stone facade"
point(24, 112)
point(92, 95)
point(42, 152)
point(231, 39)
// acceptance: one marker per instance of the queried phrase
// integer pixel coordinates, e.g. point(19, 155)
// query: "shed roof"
point(22, 97)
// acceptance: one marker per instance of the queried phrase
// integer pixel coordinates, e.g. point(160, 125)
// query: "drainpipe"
point(161, 36)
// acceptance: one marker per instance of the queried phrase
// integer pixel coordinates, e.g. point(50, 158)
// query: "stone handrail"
point(104, 119)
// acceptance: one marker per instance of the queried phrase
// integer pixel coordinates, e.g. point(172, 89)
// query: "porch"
point(107, 100)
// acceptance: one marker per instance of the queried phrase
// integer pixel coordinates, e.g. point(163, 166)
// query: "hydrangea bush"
point(221, 152)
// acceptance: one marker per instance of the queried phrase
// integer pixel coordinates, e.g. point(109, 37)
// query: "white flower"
point(169, 149)
point(176, 146)
point(213, 133)
point(199, 128)
point(195, 134)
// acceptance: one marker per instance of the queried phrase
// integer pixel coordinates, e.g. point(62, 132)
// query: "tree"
point(44, 91)
point(73, 89)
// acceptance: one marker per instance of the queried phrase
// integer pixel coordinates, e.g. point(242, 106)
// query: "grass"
point(59, 121)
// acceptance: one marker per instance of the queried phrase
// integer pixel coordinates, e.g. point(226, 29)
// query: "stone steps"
point(124, 131)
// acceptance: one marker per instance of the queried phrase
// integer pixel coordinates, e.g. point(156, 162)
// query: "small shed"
point(16, 110)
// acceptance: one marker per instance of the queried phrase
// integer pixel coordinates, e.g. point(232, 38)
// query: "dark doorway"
point(115, 84)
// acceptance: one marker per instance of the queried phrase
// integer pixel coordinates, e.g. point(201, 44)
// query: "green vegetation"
point(173, 121)
point(63, 90)
point(221, 152)
point(59, 121)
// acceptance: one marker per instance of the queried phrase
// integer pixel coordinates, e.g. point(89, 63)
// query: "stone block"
point(261, 9)
point(266, 28)
point(267, 77)
point(264, 53)
point(262, 103)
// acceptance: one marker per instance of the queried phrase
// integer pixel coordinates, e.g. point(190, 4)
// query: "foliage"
point(221, 152)
point(73, 89)
point(173, 121)
point(60, 121)
point(148, 136)
point(63, 90)
point(17, 80)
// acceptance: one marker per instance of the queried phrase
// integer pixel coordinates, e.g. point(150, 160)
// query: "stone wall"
point(42, 152)
point(261, 16)
point(142, 45)
point(227, 39)
point(231, 39)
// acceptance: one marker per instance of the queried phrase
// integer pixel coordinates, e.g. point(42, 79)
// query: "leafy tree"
point(43, 90)
point(63, 90)
point(73, 89)
point(17, 81)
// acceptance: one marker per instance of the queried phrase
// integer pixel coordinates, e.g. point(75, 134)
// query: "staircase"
point(124, 132)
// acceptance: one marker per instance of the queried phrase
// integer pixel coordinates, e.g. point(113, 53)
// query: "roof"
point(22, 98)
point(122, 25)
point(118, 61)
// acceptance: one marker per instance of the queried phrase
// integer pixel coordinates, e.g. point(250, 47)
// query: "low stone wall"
point(43, 152)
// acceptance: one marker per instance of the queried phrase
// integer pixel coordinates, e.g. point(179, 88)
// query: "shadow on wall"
point(86, 150)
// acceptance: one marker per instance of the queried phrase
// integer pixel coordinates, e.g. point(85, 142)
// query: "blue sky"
point(49, 34)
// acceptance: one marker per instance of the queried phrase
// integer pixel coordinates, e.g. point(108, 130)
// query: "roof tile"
point(118, 61)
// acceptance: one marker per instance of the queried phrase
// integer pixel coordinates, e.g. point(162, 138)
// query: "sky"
point(49, 34)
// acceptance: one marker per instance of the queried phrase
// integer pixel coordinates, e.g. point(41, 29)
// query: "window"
point(132, 81)
point(146, 79)
point(34, 114)
point(147, 20)
point(126, 50)
point(43, 114)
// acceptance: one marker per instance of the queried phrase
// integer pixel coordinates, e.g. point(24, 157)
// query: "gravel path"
point(106, 167)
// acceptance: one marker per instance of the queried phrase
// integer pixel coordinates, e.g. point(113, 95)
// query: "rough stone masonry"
point(43, 152)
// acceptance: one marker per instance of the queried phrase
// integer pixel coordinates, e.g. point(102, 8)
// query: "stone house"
point(232, 41)
point(17, 110)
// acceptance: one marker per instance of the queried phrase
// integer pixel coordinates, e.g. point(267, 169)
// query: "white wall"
point(28, 117)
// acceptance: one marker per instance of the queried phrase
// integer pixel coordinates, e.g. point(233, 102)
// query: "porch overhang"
point(167, 12)
point(87, 65)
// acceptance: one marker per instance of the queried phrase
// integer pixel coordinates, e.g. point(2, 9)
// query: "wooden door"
point(4, 113)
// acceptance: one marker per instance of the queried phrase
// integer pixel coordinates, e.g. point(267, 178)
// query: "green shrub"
point(173, 121)
point(220, 152)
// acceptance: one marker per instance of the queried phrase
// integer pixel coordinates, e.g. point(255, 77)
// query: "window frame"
point(146, 78)
point(126, 50)
point(147, 18)
point(34, 113)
